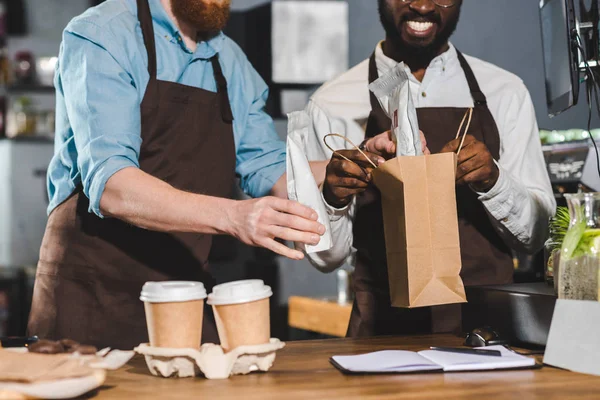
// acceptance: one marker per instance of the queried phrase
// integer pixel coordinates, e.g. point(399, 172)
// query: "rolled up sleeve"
point(260, 156)
point(103, 108)
point(521, 203)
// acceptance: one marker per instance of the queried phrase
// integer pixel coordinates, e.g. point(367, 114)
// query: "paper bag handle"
point(468, 113)
point(351, 143)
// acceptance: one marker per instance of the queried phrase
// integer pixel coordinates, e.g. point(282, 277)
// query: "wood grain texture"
point(321, 316)
point(302, 371)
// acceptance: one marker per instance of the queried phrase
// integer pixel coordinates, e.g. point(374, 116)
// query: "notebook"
point(401, 361)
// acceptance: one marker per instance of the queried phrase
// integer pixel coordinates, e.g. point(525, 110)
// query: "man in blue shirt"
point(157, 112)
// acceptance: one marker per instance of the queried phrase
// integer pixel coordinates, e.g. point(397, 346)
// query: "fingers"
point(423, 142)
point(382, 145)
point(476, 166)
point(293, 235)
point(470, 152)
point(340, 168)
point(281, 249)
point(344, 179)
point(292, 207)
point(351, 183)
point(467, 166)
point(358, 158)
point(452, 147)
point(297, 223)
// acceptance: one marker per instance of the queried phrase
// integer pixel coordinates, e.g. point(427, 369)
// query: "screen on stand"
point(560, 68)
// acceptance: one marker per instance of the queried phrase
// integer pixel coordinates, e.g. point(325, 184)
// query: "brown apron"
point(486, 259)
point(91, 270)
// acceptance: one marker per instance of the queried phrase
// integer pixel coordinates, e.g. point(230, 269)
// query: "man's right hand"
point(344, 179)
point(258, 222)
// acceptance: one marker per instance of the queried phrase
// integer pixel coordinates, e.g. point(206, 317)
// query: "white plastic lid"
point(172, 291)
point(239, 292)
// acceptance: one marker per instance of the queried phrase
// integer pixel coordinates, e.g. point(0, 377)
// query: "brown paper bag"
point(418, 195)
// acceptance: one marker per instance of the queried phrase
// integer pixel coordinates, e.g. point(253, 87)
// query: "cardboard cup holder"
point(210, 360)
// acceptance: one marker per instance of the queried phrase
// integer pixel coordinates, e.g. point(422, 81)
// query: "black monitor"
point(561, 60)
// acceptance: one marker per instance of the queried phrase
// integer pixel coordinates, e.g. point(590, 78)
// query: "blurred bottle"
point(344, 285)
point(4, 59)
point(3, 112)
point(4, 69)
point(4, 313)
point(24, 70)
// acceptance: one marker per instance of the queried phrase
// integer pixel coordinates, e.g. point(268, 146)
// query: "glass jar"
point(580, 252)
point(25, 116)
point(552, 263)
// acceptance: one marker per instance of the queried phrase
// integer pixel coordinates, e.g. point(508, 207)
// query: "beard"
point(205, 16)
point(419, 50)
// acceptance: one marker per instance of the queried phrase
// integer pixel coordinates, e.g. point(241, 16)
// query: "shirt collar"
point(441, 62)
point(204, 50)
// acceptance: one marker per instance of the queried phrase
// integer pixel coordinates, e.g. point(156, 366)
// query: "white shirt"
point(520, 203)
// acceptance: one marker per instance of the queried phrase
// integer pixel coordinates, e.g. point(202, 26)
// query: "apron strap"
point(145, 18)
point(226, 113)
point(487, 124)
point(377, 114)
point(478, 96)
point(378, 120)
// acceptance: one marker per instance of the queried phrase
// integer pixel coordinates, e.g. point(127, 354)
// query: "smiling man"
point(503, 191)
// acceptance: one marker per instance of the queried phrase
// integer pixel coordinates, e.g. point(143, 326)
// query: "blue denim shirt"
point(100, 81)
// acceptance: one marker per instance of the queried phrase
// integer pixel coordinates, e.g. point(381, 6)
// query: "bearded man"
point(504, 196)
point(157, 113)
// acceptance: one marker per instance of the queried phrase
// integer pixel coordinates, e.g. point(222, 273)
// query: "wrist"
point(363, 145)
point(226, 216)
point(487, 184)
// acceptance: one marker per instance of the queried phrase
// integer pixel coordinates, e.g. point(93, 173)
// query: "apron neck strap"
point(478, 96)
point(226, 113)
point(145, 18)
point(373, 76)
point(378, 120)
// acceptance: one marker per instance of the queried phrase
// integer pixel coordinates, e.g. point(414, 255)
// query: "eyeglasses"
point(439, 3)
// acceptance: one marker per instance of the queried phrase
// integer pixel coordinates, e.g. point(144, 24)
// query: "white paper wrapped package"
point(301, 184)
point(393, 93)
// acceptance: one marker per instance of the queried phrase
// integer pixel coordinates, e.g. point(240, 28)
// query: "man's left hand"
point(476, 166)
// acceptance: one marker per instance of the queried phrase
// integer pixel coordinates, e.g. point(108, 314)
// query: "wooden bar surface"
point(302, 371)
point(321, 316)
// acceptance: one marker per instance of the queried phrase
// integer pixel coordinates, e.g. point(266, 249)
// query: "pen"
point(477, 352)
point(17, 341)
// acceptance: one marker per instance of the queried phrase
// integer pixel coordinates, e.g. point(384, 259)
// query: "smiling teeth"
point(419, 26)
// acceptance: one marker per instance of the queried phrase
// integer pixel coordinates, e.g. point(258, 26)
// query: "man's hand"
point(344, 178)
point(259, 222)
point(476, 166)
point(384, 146)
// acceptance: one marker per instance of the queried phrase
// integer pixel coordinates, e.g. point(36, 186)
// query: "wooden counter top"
point(302, 371)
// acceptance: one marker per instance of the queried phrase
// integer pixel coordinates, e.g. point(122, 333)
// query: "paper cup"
point(174, 312)
point(242, 313)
